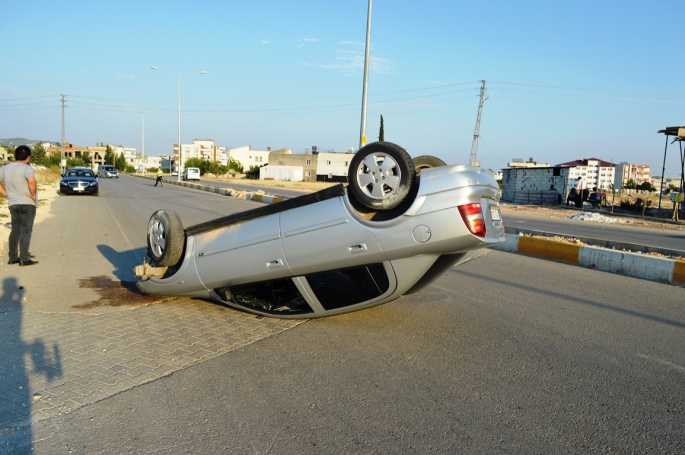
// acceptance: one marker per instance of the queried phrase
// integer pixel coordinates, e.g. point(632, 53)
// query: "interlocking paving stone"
point(56, 363)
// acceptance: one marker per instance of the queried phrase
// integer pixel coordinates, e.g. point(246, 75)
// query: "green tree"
point(85, 156)
point(253, 172)
point(381, 133)
point(646, 186)
point(235, 165)
point(121, 162)
point(630, 184)
point(203, 165)
point(39, 155)
point(109, 155)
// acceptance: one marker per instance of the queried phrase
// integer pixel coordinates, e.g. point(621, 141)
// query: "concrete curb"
point(632, 264)
point(230, 192)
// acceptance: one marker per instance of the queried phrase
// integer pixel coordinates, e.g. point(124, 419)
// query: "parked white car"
point(390, 232)
point(191, 173)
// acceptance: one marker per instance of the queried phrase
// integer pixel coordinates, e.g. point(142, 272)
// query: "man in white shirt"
point(18, 185)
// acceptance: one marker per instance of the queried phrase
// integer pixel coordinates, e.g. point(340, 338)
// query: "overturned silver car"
point(390, 232)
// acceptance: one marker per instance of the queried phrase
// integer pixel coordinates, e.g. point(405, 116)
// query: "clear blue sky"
point(568, 80)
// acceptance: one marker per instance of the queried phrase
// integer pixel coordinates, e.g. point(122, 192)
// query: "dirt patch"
point(115, 293)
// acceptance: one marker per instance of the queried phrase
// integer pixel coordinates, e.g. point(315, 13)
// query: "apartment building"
point(203, 149)
point(595, 172)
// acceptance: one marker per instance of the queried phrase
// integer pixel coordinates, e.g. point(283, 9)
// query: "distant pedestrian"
point(583, 192)
point(19, 187)
point(159, 177)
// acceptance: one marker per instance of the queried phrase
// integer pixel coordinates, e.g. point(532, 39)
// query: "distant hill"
point(15, 141)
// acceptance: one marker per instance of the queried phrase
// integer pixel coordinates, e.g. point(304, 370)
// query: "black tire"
point(165, 238)
point(381, 175)
point(427, 161)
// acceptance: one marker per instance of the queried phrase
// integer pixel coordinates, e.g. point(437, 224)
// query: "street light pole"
point(362, 133)
point(143, 129)
point(180, 150)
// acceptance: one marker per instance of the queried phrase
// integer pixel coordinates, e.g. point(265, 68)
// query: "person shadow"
point(123, 261)
point(19, 360)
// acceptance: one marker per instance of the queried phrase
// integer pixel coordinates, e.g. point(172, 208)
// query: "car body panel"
point(294, 246)
point(236, 254)
point(304, 238)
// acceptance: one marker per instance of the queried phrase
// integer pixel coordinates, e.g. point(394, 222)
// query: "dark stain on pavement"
point(115, 293)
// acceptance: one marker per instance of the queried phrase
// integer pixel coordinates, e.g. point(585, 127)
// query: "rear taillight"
point(472, 214)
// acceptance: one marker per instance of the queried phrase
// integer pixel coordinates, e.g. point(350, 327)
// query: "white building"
point(204, 149)
point(595, 172)
point(248, 157)
point(331, 165)
point(639, 173)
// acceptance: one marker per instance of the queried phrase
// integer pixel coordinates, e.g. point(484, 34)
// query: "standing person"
point(557, 194)
point(159, 177)
point(582, 192)
point(19, 187)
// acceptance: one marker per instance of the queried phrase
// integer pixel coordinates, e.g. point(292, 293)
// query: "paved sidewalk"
point(55, 363)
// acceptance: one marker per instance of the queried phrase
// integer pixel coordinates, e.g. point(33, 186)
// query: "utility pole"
point(362, 132)
point(474, 146)
point(62, 164)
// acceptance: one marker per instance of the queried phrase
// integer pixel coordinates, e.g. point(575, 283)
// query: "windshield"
point(79, 173)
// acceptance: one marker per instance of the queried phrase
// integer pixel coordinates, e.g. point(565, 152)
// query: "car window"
point(279, 296)
point(341, 288)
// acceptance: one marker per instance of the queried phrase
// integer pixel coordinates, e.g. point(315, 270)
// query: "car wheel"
point(381, 175)
point(165, 238)
point(427, 161)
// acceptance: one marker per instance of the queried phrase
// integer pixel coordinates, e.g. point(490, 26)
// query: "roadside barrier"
point(230, 192)
point(632, 264)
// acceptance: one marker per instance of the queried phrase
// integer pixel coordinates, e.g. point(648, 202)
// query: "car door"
point(240, 253)
point(323, 236)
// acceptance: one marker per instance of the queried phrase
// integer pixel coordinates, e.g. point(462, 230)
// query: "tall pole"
point(473, 158)
point(63, 140)
point(180, 151)
point(362, 132)
point(663, 171)
point(142, 113)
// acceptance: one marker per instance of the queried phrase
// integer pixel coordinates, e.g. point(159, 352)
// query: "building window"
point(328, 162)
point(309, 162)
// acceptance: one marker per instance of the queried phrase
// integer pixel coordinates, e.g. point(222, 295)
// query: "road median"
point(636, 265)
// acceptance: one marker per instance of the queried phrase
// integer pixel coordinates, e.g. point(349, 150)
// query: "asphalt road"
point(662, 238)
point(503, 354)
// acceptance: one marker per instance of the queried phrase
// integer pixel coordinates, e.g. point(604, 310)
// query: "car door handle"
point(274, 263)
point(357, 248)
